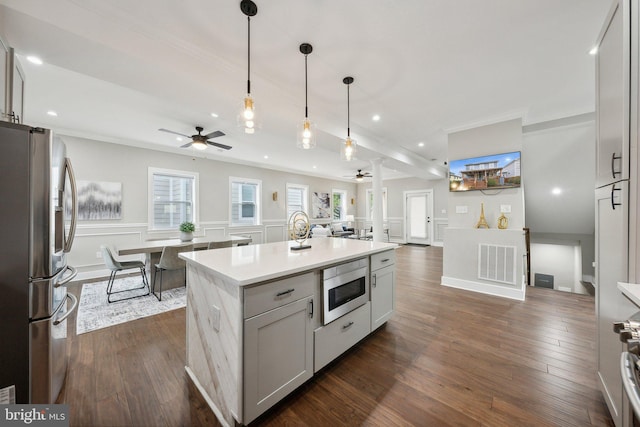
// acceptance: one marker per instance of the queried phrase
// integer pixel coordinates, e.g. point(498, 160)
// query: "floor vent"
point(497, 263)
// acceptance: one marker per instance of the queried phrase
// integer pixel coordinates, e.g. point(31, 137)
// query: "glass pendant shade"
point(246, 118)
point(348, 151)
point(306, 135)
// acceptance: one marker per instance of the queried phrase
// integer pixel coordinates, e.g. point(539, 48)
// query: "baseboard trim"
point(484, 288)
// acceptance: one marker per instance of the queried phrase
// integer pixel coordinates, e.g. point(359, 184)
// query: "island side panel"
point(214, 340)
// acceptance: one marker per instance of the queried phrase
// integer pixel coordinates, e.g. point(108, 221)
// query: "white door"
point(418, 216)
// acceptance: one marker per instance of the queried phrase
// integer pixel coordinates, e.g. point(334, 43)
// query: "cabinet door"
point(611, 305)
point(278, 355)
point(612, 98)
point(382, 295)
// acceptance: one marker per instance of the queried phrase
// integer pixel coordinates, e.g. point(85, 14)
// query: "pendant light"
point(306, 132)
point(247, 115)
point(348, 151)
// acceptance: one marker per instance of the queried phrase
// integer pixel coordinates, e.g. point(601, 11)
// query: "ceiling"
point(119, 70)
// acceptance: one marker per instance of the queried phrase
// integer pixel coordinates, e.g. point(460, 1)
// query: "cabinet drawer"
point(338, 336)
point(275, 294)
point(383, 259)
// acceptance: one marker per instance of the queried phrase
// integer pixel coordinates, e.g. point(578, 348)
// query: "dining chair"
point(222, 244)
point(169, 260)
point(114, 266)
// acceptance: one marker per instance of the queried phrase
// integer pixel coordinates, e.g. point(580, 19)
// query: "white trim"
point(122, 233)
point(151, 171)
point(385, 197)
point(101, 225)
point(485, 288)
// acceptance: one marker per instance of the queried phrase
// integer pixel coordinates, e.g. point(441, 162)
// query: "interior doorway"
point(418, 216)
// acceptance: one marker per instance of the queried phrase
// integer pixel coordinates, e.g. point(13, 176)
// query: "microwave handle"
point(74, 205)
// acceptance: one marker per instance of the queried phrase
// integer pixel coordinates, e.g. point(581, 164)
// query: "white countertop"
point(246, 265)
point(631, 291)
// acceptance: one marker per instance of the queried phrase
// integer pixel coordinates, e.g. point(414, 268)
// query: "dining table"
point(153, 250)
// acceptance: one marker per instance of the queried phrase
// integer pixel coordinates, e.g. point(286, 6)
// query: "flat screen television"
point(493, 172)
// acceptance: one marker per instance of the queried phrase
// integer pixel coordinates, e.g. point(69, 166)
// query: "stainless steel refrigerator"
point(38, 206)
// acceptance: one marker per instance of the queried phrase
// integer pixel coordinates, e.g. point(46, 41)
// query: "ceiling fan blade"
point(188, 144)
point(175, 133)
point(214, 134)
point(215, 144)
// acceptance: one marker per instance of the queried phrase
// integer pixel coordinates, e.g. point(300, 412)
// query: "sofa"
point(333, 230)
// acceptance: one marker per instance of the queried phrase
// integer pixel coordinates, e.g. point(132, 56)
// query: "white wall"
point(561, 260)
point(102, 161)
point(499, 138)
point(562, 157)
point(462, 239)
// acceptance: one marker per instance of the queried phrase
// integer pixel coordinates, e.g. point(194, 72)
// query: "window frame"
point(343, 211)
point(369, 205)
point(305, 197)
point(151, 173)
point(258, 217)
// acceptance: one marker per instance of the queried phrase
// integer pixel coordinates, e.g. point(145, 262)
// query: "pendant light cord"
point(306, 108)
point(248, 55)
point(348, 118)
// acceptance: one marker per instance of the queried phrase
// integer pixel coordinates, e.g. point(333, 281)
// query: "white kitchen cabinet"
point(613, 96)
point(14, 89)
point(340, 335)
point(382, 288)
point(278, 344)
point(611, 306)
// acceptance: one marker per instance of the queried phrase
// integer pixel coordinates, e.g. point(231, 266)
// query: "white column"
point(376, 171)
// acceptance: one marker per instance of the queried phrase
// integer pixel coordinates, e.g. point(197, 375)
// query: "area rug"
point(94, 312)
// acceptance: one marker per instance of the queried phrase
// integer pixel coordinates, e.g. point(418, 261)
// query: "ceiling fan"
point(360, 175)
point(200, 141)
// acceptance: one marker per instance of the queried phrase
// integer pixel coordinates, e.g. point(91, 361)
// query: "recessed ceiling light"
point(34, 60)
point(593, 50)
point(178, 138)
point(52, 113)
point(420, 144)
point(266, 157)
point(315, 167)
point(556, 191)
point(214, 115)
point(375, 117)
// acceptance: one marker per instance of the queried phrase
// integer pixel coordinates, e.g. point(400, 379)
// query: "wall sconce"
point(353, 201)
point(275, 196)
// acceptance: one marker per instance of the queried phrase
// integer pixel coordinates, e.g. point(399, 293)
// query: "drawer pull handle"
point(347, 326)
point(384, 260)
point(311, 309)
point(374, 281)
point(283, 293)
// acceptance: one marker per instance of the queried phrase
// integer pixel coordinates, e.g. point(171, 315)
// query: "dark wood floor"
point(446, 358)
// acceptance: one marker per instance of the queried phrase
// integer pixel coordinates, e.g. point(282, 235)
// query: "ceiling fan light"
point(199, 145)
point(359, 178)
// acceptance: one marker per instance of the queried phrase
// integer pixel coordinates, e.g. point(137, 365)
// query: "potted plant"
point(186, 231)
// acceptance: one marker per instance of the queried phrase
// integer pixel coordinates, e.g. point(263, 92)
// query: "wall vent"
point(497, 263)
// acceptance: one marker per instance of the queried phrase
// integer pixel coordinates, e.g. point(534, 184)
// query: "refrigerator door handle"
point(74, 205)
point(74, 300)
point(67, 279)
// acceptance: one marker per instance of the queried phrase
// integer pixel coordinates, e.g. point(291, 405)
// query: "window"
point(339, 201)
point(173, 198)
point(370, 204)
point(297, 198)
point(245, 201)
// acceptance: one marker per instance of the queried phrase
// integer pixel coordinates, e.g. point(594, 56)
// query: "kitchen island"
point(257, 326)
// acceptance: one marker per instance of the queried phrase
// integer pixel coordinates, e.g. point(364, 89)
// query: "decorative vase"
point(186, 236)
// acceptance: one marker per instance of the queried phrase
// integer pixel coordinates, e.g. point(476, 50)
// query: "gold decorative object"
point(503, 222)
point(299, 227)
point(482, 222)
